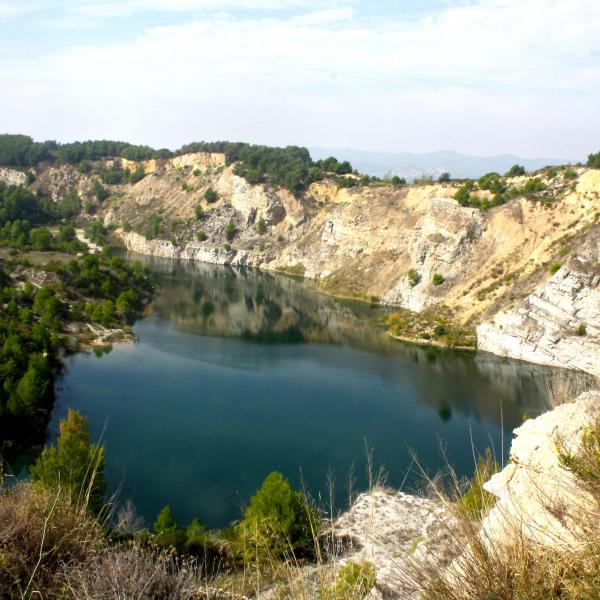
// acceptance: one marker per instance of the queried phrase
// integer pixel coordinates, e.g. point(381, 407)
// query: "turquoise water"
point(235, 374)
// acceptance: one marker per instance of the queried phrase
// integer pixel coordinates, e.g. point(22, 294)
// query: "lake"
point(235, 374)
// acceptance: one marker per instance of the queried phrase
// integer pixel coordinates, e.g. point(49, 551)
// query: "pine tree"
point(74, 464)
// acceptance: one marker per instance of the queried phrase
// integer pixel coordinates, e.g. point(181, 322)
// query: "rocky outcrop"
point(559, 323)
point(537, 498)
point(12, 176)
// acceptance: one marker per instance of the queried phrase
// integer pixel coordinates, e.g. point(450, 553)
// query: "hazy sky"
point(478, 76)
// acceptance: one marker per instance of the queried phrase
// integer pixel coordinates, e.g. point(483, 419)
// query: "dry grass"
point(507, 559)
point(41, 533)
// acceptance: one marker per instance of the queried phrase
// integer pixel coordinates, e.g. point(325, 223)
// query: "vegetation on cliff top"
point(291, 167)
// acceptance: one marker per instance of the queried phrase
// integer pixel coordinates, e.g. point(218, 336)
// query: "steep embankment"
point(492, 267)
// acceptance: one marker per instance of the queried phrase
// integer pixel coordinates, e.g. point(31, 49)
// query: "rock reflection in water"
point(264, 307)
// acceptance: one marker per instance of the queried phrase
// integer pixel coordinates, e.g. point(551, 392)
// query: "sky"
point(476, 76)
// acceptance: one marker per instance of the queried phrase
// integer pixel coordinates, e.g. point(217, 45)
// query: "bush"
point(227, 247)
point(570, 174)
point(397, 181)
point(437, 279)
point(211, 195)
point(277, 524)
point(354, 581)
point(199, 212)
point(476, 502)
point(554, 267)
point(585, 465)
point(75, 464)
point(230, 231)
point(201, 236)
point(413, 277)
point(516, 171)
point(261, 227)
point(594, 161)
point(581, 331)
point(444, 177)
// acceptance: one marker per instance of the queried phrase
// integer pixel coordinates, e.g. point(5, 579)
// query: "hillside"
point(457, 268)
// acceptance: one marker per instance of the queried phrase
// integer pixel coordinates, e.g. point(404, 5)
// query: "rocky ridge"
point(364, 241)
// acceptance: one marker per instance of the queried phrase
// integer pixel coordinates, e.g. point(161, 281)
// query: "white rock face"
point(192, 251)
point(545, 328)
point(387, 526)
point(12, 176)
point(536, 496)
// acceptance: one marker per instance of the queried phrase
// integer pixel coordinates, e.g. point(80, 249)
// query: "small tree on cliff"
point(278, 523)
point(74, 464)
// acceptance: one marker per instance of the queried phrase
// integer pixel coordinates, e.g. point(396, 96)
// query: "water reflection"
point(267, 308)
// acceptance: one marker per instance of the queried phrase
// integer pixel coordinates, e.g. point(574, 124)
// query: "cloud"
point(484, 76)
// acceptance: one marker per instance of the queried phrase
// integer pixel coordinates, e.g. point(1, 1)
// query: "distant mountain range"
point(410, 165)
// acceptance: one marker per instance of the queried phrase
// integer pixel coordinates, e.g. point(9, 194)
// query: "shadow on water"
point(238, 373)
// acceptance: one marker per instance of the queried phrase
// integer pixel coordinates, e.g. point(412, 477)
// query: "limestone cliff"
point(492, 266)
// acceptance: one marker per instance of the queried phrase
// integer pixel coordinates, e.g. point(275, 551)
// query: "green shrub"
point(277, 523)
point(397, 181)
point(169, 533)
point(585, 465)
point(199, 212)
point(197, 172)
point(594, 161)
point(476, 502)
point(570, 173)
point(201, 236)
point(354, 581)
point(127, 227)
point(261, 226)
point(437, 279)
point(554, 267)
point(230, 231)
point(211, 195)
point(227, 247)
point(516, 171)
point(74, 464)
point(413, 277)
point(581, 330)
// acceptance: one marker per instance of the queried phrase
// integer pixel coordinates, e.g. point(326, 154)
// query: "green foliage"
point(201, 236)
point(154, 228)
point(96, 232)
point(211, 195)
point(581, 330)
point(492, 182)
point(331, 165)
point(290, 167)
point(70, 206)
point(354, 581)
point(413, 277)
point(261, 227)
point(74, 464)
point(437, 279)
point(423, 180)
point(516, 171)
point(137, 174)
point(476, 501)
point(593, 161)
point(463, 194)
point(444, 177)
point(554, 267)
point(111, 173)
point(585, 464)
point(570, 173)
point(346, 182)
point(230, 231)
point(199, 212)
point(397, 181)
point(277, 524)
point(533, 186)
point(227, 247)
point(98, 191)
